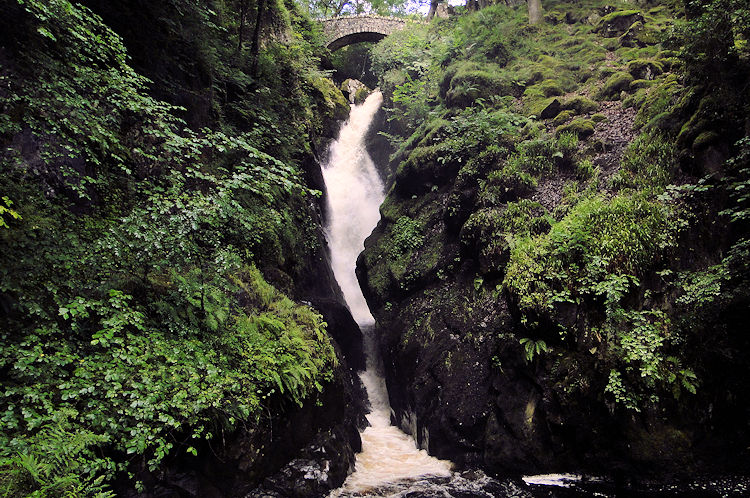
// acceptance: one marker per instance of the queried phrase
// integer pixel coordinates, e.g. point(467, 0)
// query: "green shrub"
point(407, 236)
point(597, 238)
point(648, 164)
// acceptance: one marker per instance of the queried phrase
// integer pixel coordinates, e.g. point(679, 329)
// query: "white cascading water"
point(355, 193)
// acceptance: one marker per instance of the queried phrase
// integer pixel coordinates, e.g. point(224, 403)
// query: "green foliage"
point(639, 340)
point(7, 209)
point(714, 38)
point(533, 348)
point(597, 238)
point(136, 325)
point(649, 164)
point(407, 236)
point(59, 460)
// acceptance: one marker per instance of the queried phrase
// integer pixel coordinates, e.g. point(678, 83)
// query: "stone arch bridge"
point(345, 30)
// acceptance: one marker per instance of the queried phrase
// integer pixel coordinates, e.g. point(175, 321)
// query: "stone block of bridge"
point(345, 30)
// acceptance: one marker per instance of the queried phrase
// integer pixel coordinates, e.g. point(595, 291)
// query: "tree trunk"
point(241, 28)
point(433, 9)
point(535, 11)
point(255, 47)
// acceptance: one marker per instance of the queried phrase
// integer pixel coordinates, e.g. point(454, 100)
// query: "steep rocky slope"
point(550, 255)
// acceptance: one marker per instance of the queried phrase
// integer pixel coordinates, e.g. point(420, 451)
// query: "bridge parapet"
point(345, 30)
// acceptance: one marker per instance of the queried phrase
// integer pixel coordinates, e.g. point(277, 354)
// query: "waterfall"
point(355, 193)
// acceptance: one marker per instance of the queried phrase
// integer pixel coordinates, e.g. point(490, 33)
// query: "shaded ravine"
point(355, 193)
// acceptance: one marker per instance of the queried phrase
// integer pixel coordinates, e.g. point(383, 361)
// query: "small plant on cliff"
point(533, 347)
point(407, 236)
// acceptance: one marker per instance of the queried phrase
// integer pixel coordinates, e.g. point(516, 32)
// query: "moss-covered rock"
point(665, 106)
point(424, 168)
point(637, 99)
point(598, 118)
point(543, 108)
point(331, 104)
point(638, 84)
point(705, 139)
point(703, 124)
point(465, 82)
point(361, 95)
point(581, 127)
point(563, 117)
point(640, 35)
point(580, 104)
point(645, 69)
point(618, 22)
point(671, 63)
point(546, 88)
point(615, 84)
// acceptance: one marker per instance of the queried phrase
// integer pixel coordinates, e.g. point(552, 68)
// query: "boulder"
point(617, 23)
point(355, 90)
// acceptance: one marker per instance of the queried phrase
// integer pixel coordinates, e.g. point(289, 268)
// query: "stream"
point(355, 193)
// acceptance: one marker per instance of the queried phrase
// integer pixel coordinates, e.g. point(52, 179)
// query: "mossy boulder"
point(546, 88)
point(424, 168)
point(615, 84)
point(361, 95)
point(465, 82)
point(355, 90)
point(598, 118)
point(563, 117)
point(481, 237)
point(666, 105)
point(637, 99)
point(703, 126)
point(580, 127)
point(671, 63)
point(639, 84)
point(640, 35)
point(705, 139)
point(544, 108)
point(580, 104)
point(618, 22)
point(645, 69)
point(331, 104)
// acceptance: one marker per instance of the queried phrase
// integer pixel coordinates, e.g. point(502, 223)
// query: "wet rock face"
point(464, 393)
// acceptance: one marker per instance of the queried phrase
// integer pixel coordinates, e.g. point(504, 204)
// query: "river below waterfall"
point(390, 464)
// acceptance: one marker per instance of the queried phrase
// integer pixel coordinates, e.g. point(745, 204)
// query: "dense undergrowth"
point(517, 175)
point(135, 323)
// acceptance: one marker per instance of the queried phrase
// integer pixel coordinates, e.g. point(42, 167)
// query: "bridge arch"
point(345, 30)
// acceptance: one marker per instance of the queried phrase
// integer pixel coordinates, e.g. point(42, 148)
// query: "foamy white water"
point(355, 193)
